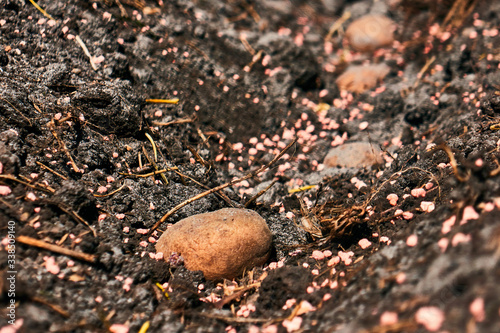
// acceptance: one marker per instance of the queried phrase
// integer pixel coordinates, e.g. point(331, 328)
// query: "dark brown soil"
point(72, 139)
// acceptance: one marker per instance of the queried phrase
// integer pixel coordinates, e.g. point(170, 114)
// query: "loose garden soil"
point(89, 163)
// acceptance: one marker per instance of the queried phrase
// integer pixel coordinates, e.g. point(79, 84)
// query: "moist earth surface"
point(398, 233)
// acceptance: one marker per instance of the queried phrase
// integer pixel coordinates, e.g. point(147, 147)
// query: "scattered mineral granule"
point(364, 243)
point(327, 253)
point(448, 224)
point(292, 325)
point(407, 215)
point(245, 310)
point(388, 318)
point(305, 307)
point(443, 244)
point(270, 329)
point(354, 155)
point(31, 196)
point(476, 308)
point(469, 214)
point(427, 206)
point(385, 239)
point(118, 328)
point(360, 78)
point(393, 199)
point(334, 261)
point(51, 265)
point(418, 193)
point(460, 238)
point(431, 317)
point(5, 190)
point(370, 32)
point(127, 284)
point(400, 277)
point(221, 244)
point(346, 257)
point(318, 255)
point(412, 240)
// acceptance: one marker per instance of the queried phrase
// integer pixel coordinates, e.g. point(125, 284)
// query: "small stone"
point(370, 32)
point(354, 155)
point(221, 244)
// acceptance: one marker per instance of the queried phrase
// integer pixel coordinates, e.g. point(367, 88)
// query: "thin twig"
point(57, 249)
point(54, 307)
point(47, 15)
point(198, 158)
point(66, 151)
point(110, 193)
point(336, 25)
point(173, 122)
point(204, 138)
point(123, 12)
point(255, 197)
point(51, 170)
point(86, 51)
point(154, 146)
point(221, 194)
point(240, 319)
point(153, 163)
point(246, 44)
point(235, 295)
point(28, 180)
point(20, 113)
point(25, 183)
point(223, 186)
point(77, 217)
point(423, 70)
point(149, 174)
point(249, 8)
point(453, 162)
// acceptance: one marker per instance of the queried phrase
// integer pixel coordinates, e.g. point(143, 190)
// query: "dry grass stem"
point(36, 187)
point(149, 174)
point(57, 249)
point(223, 186)
point(51, 170)
point(110, 193)
point(337, 25)
point(65, 149)
point(453, 162)
point(255, 197)
point(173, 122)
point(76, 217)
point(54, 307)
point(86, 51)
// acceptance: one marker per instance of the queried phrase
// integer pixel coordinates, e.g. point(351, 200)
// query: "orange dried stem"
point(162, 101)
point(42, 10)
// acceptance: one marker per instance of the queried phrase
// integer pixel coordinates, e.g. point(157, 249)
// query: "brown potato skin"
point(370, 32)
point(221, 244)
